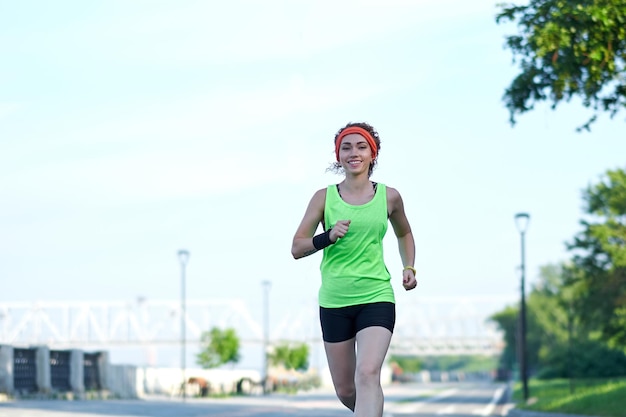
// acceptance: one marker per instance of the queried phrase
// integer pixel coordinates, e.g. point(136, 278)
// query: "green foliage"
point(219, 347)
point(598, 275)
point(549, 317)
point(587, 358)
point(507, 320)
point(607, 200)
point(463, 363)
point(568, 48)
point(291, 356)
point(558, 345)
point(408, 364)
point(576, 315)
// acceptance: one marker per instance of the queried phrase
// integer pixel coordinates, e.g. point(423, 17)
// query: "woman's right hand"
point(339, 230)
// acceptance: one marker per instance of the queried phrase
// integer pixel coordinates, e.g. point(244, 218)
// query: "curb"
point(504, 403)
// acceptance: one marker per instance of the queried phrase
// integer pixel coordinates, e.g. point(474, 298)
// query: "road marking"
point(487, 410)
point(408, 408)
point(448, 410)
point(507, 408)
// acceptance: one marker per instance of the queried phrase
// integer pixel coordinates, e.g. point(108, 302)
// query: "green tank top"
point(353, 269)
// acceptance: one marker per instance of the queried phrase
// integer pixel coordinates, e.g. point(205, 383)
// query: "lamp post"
point(183, 257)
point(266, 331)
point(521, 221)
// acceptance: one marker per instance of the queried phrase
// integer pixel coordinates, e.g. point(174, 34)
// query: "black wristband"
point(322, 240)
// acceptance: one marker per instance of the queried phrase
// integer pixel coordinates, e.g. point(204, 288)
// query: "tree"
point(548, 313)
point(507, 320)
point(408, 364)
point(568, 48)
point(291, 356)
point(218, 348)
point(599, 278)
point(577, 311)
point(557, 345)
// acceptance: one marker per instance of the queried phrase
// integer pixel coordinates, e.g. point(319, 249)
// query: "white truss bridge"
point(427, 326)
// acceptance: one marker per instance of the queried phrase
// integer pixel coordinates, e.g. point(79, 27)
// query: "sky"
point(132, 129)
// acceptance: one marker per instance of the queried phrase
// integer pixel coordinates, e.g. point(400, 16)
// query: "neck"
point(356, 182)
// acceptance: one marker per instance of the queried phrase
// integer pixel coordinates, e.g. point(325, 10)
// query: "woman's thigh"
point(372, 344)
point(341, 357)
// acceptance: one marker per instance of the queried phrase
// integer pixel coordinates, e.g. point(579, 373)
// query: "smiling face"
point(355, 154)
point(352, 136)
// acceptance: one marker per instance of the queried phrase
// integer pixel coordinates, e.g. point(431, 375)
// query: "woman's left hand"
point(408, 280)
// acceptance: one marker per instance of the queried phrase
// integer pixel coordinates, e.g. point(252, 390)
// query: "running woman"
point(356, 298)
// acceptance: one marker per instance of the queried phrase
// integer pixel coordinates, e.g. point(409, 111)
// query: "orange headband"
point(360, 131)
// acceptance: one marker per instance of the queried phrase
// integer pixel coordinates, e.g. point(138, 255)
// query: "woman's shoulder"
point(324, 190)
point(319, 196)
point(393, 195)
point(391, 192)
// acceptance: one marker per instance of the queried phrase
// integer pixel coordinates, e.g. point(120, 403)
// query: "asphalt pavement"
point(402, 400)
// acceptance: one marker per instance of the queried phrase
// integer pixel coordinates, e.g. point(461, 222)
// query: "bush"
point(589, 359)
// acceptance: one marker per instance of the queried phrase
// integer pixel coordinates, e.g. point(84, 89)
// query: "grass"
point(592, 397)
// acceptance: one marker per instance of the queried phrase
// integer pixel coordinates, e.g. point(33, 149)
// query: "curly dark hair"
point(336, 166)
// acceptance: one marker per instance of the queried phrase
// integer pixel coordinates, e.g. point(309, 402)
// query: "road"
point(407, 400)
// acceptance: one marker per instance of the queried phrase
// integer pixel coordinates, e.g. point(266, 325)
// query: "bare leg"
point(372, 344)
point(341, 358)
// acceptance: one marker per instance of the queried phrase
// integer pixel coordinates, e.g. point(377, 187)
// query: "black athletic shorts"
point(341, 324)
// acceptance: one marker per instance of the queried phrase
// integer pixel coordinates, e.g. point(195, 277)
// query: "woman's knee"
point(366, 374)
point(345, 391)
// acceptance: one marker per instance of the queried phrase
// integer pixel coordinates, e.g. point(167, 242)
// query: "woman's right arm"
point(303, 239)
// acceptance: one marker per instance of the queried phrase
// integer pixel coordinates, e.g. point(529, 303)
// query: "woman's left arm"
point(406, 243)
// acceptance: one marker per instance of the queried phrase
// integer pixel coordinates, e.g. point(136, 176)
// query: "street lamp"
point(266, 331)
point(183, 257)
point(521, 221)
